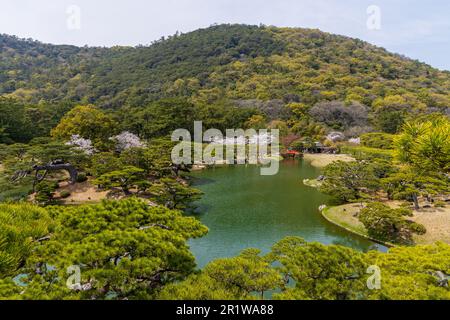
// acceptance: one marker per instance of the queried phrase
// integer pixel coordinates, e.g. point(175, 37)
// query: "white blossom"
point(261, 139)
point(355, 140)
point(335, 136)
point(82, 144)
point(127, 140)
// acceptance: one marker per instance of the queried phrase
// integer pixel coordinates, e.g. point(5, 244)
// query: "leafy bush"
point(64, 194)
point(365, 153)
point(81, 177)
point(45, 192)
point(297, 145)
point(378, 140)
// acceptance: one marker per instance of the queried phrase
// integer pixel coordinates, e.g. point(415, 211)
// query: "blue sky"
point(417, 29)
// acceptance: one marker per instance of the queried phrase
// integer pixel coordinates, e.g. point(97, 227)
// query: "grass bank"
point(321, 160)
point(344, 216)
point(435, 220)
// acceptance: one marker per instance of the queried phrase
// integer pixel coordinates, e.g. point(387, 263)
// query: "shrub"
point(81, 177)
point(64, 194)
point(378, 140)
point(45, 192)
point(366, 153)
point(440, 204)
point(297, 145)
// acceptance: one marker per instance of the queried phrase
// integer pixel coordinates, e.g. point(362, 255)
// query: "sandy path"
point(83, 192)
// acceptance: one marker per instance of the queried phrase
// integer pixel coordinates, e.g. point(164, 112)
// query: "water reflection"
point(243, 209)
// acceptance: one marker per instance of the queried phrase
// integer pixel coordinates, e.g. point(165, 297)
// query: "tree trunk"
point(416, 202)
point(64, 166)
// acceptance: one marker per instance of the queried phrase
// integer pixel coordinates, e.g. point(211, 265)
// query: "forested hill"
point(236, 63)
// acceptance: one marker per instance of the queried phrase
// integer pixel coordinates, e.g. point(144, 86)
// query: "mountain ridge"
point(222, 62)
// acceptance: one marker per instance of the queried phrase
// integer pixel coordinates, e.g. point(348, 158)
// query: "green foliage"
point(256, 122)
point(319, 271)
point(231, 62)
point(126, 178)
point(125, 249)
point(312, 131)
point(389, 121)
point(228, 76)
point(389, 224)
point(174, 194)
point(159, 118)
point(281, 126)
point(19, 160)
point(425, 145)
point(21, 225)
point(121, 75)
point(21, 122)
point(349, 181)
point(243, 277)
point(155, 160)
point(45, 192)
point(366, 153)
point(16, 150)
point(10, 191)
point(88, 122)
point(409, 184)
point(104, 162)
point(199, 287)
point(64, 194)
point(299, 111)
point(129, 250)
point(24, 157)
point(411, 273)
point(378, 140)
point(45, 153)
point(81, 177)
point(15, 192)
point(298, 145)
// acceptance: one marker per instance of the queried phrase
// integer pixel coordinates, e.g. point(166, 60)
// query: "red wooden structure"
point(292, 153)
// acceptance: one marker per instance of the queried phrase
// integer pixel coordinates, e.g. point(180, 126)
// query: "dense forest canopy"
point(236, 62)
point(223, 75)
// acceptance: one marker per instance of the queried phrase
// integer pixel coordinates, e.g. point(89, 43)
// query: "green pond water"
point(243, 209)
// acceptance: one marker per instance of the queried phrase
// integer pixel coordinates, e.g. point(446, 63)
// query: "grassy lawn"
point(435, 220)
point(344, 216)
point(321, 160)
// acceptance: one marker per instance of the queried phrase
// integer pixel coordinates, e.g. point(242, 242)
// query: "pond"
point(243, 209)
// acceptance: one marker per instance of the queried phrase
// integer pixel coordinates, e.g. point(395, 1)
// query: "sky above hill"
point(415, 28)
